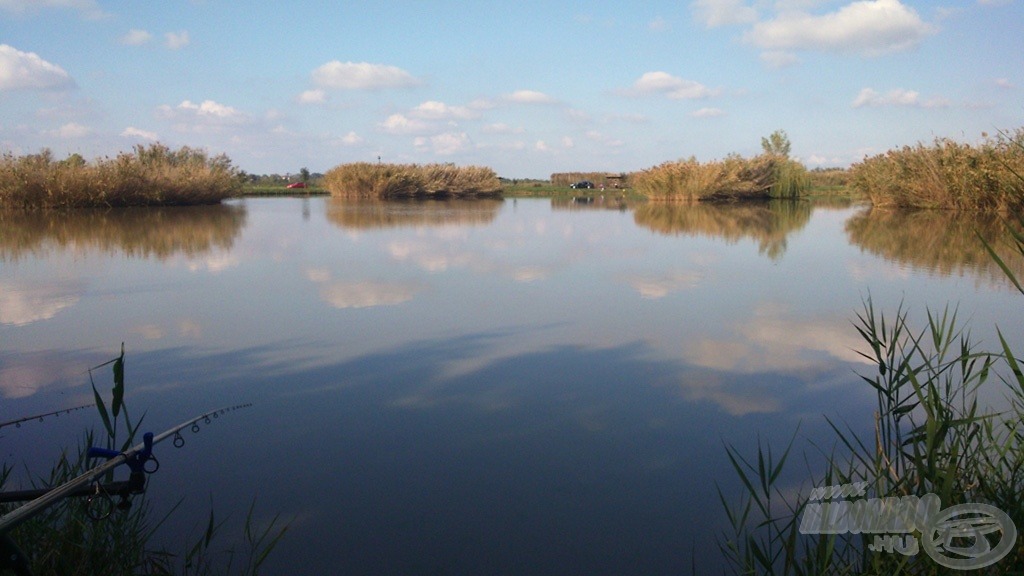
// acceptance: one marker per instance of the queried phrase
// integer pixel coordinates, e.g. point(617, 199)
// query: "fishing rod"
point(139, 459)
point(55, 413)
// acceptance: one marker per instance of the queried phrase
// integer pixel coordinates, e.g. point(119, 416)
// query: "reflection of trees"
point(766, 222)
point(135, 232)
point(939, 241)
point(353, 213)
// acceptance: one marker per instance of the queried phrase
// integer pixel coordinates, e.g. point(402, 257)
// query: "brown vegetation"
point(391, 181)
point(734, 178)
point(153, 175)
point(948, 175)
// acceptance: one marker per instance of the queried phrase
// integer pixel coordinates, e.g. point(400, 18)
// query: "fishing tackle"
point(100, 504)
point(55, 414)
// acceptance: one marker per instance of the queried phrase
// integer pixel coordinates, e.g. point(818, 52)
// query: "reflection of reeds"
point(947, 175)
point(769, 223)
point(137, 232)
point(367, 214)
point(391, 181)
point(939, 241)
point(764, 176)
point(153, 175)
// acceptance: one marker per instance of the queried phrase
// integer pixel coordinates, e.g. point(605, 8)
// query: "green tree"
point(777, 144)
point(304, 174)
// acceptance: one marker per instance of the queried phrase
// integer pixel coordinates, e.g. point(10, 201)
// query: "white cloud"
point(529, 97)
point(541, 146)
point(897, 97)
point(443, 144)
point(70, 131)
point(210, 108)
point(671, 86)
point(206, 116)
point(351, 139)
point(1004, 83)
point(400, 124)
point(870, 27)
point(133, 132)
point(502, 128)
point(658, 24)
point(434, 110)
point(312, 97)
point(779, 58)
point(27, 71)
point(723, 12)
point(136, 37)
point(567, 142)
point(176, 40)
point(708, 113)
point(361, 76)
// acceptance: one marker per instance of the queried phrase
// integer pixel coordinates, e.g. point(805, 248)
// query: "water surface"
point(518, 387)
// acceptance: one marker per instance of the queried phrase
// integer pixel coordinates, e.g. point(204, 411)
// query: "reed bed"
point(947, 175)
point(734, 178)
point(829, 177)
point(147, 176)
point(394, 181)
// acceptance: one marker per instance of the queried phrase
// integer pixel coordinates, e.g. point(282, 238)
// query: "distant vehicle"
point(296, 185)
point(582, 184)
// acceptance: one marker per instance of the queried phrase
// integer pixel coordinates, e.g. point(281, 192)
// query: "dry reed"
point(392, 181)
point(947, 175)
point(149, 175)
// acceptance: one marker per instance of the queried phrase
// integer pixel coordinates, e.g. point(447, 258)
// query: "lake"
point(524, 386)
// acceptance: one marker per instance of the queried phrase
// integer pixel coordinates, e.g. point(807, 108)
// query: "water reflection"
point(369, 214)
point(768, 223)
point(134, 232)
point(592, 203)
point(938, 241)
point(23, 303)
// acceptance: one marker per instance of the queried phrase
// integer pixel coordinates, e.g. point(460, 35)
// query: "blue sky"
point(527, 88)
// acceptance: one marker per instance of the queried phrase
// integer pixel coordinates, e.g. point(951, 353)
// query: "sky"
point(527, 88)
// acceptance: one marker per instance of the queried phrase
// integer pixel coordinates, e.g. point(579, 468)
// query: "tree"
point(304, 174)
point(777, 144)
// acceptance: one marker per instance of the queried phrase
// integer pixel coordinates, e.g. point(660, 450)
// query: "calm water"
point(518, 387)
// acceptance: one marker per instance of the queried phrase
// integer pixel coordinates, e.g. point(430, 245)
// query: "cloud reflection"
point(655, 287)
point(21, 305)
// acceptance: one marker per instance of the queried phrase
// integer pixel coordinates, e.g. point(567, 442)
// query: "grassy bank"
point(146, 176)
point(264, 190)
point(392, 181)
point(947, 175)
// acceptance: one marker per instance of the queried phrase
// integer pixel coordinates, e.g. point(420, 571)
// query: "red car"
point(296, 185)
